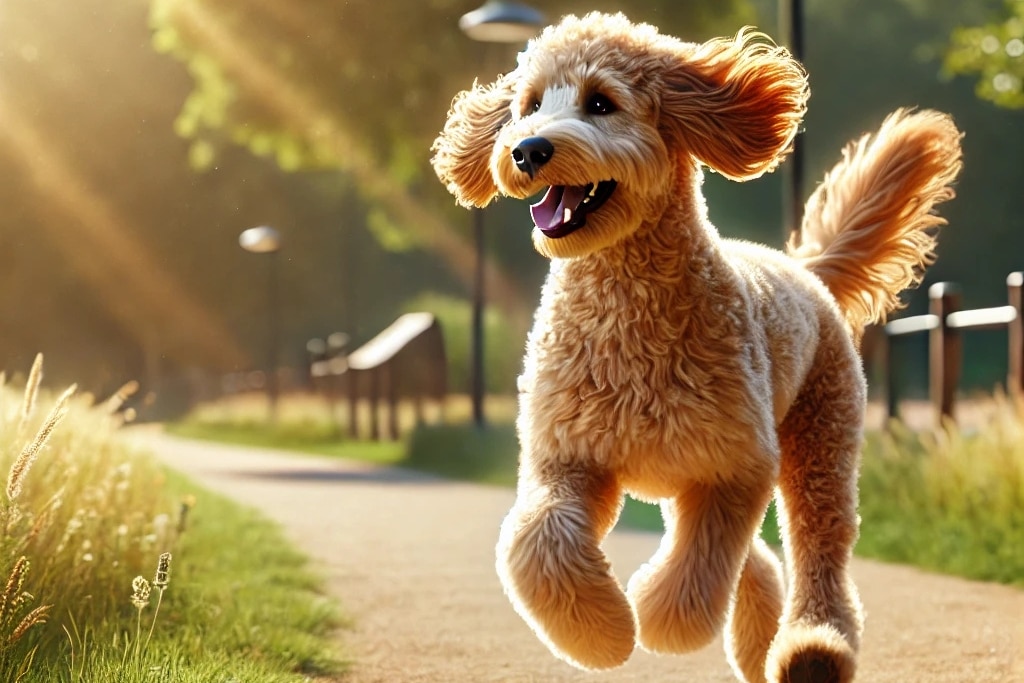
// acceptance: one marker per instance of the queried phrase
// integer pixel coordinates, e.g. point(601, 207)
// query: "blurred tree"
point(994, 52)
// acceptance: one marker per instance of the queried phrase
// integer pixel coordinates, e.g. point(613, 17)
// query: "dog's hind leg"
point(821, 440)
point(754, 618)
point(554, 571)
point(682, 594)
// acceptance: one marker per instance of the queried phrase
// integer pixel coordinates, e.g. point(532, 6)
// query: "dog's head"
point(600, 113)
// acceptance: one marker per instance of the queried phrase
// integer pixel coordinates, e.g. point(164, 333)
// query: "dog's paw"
point(674, 613)
point(593, 629)
point(802, 654)
point(562, 585)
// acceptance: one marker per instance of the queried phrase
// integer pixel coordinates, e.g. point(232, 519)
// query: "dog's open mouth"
point(564, 208)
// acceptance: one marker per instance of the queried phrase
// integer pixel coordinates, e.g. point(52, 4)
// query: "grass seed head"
point(36, 616)
point(12, 590)
point(127, 390)
point(140, 592)
point(21, 466)
point(163, 571)
point(35, 376)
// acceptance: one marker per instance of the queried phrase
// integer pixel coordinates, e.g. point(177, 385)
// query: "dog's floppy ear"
point(735, 104)
point(462, 152)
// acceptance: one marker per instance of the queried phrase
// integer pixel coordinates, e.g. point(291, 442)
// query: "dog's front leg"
point(554, 571)
point(682, 594)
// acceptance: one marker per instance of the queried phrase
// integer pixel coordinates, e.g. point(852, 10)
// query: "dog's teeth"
point(591, 190)
point(567, 215)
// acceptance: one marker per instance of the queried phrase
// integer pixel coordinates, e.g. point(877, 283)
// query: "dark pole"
point(273, 335)
point(891, 376)
point(266, 240)
point(791, 22)
point(496, 21)
point(477, 332)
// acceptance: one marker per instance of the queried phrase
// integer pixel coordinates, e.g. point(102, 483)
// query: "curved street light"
point(494, 22)
point(266, 240)
point(261, 240)
point(502, 22)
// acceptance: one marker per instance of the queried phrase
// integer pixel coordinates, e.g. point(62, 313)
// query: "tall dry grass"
point(79, 518)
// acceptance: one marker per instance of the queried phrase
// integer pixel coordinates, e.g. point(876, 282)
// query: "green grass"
point(307, 437)
point(486, 455)
point(242, 605)
point(83, 521)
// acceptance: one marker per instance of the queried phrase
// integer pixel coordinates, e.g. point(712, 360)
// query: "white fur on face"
point(560, 101)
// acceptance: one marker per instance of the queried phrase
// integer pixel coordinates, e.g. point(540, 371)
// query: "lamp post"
point(494, 22)
point(267, 240)
point(791, 24)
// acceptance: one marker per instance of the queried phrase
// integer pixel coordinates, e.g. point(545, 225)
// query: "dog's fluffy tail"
point(869, 229)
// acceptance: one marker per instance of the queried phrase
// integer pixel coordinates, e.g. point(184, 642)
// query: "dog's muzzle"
point(564, 208)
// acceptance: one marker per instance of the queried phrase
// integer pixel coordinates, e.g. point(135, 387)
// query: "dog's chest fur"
point(649, 359)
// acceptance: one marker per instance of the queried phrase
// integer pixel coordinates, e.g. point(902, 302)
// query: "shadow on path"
point(389, 475)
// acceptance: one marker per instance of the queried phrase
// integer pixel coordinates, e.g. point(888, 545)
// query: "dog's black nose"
point(531, 154)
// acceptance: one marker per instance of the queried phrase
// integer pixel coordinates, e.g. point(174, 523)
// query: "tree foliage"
point(380, 77)
point(994, 53)
point(357, 88)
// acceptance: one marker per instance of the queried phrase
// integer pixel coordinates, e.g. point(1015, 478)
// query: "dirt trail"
point(411, 559)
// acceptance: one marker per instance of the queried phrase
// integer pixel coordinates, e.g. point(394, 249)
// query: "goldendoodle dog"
point(668, 362)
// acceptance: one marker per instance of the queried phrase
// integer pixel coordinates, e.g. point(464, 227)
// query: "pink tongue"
point(550, 212)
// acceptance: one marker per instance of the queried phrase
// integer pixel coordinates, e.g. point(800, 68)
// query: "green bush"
point(465, 452)
point(948, 501)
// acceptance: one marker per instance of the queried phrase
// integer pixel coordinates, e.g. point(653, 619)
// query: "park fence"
point(944, 323)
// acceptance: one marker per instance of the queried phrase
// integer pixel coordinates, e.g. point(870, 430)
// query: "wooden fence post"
point(1015, 375)
point(944, 348)
point(374, 403)
point(892, 405)
point(351, 378)
point(391, 396)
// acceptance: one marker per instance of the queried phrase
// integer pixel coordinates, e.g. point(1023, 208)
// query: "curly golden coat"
point(667, 362)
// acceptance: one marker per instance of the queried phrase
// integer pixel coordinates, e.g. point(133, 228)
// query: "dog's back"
point(869, 229)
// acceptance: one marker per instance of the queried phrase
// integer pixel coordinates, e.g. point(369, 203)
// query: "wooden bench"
point(406, 360)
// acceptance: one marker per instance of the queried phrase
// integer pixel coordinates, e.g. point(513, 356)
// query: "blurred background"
point(139, 139)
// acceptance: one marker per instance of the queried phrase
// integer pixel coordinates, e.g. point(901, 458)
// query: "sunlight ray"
point(302, 109)
point(144, 297)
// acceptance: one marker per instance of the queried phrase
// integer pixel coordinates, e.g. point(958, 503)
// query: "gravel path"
point(410, 557)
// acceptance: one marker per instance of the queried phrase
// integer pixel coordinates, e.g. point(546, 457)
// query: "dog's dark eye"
point(533, 106)
point(599, 104)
